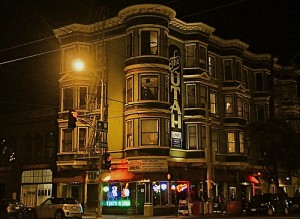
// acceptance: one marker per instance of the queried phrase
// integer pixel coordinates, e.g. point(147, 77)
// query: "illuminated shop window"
point(160, 193)
point(118, 194)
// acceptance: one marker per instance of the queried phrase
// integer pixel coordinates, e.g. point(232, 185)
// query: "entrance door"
point(141, 195)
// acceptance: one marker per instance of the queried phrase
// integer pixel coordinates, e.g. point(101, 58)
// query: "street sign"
point(102, 126)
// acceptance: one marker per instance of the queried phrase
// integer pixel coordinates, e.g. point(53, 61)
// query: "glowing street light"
point(78, 65)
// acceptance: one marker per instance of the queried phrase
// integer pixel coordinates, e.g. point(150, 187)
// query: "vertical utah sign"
point(175, 97)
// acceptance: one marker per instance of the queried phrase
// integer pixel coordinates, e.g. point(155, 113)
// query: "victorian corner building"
point(177, 100)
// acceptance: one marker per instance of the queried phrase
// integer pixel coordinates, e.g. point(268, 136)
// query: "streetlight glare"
point(78, 65)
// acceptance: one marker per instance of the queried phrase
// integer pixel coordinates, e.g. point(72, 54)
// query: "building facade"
point(28, 155)
point(177, 100)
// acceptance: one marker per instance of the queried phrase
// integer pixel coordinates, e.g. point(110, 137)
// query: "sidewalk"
point(91, 215)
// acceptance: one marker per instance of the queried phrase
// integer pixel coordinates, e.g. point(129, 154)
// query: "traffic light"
point(72, 118)
point(107, 161)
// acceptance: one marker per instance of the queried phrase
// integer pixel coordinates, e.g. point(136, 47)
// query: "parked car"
point(58, 208)
point(10, 208)
point(294, 204)
point(268, 204)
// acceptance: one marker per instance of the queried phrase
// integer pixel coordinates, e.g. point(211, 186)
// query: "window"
point(129, 93)
point(167, 89)
point(82, 138)
point(129, 45)
point(129, 130)
point(240, 104)
point(203, 136)
point(229, 105)
point(149, 87)
point(215, 140)
point(213, 103)
point(238, 70)
point(67, 98)
point(191, 95)
point(231, 142)
point(149, 42)
point(260, 110)
point(242, 144)
point(192, 136)
point(245, 78)
point(202, 57)
point(160, 193)
point(212, 66)
point(247, 111)
point(149, 131)
point(258, 81)
point(190, 55)
point(66, 140)
point(167, 130)
point(203, 96)
point(82, 97)
point(227, 65)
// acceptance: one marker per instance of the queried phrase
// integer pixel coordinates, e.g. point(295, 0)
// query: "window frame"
point(81, 98)
point(128, 90)
point(65, 131)
point(190, 56)
point(144, 132)
point(67, 103)
point(227, 72)
point(130, 44)
point(143, 51)
point(227, 111)
point(189, 97)
point(82, 139)
point(202, 54)
point(231, 144)
point(212, 66)
point(129, 134)
point(142, 89)
point(213, 103)
point(195, 137)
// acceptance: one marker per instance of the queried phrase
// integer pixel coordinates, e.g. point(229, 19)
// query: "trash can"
point(148, 209)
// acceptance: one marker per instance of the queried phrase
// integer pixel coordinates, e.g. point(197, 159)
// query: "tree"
point(276, 145)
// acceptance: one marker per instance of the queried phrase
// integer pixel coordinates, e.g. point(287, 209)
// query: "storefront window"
point(160, 193)
point(119, 194)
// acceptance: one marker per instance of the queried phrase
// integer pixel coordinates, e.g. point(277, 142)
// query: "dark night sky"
point(268, 26)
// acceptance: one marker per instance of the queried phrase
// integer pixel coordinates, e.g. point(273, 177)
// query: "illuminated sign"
point(175, 96)
point(181, 187)
point(117, 203)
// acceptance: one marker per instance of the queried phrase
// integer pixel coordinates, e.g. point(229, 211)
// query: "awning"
point(251, 179)
point(122, 175)
point(63, 177)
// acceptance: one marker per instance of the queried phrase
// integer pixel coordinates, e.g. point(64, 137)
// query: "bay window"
point(149, 42)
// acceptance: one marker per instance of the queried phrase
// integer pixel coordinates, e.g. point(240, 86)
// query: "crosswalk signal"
point(107, 161)
point(72, 119)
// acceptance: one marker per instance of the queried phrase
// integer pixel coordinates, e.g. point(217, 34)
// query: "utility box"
point(148, 209)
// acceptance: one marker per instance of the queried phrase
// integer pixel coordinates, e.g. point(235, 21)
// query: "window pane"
point(149, 43)
point(242, 145)
point(67, 99)
point(202, 57)
point(192, 136)
point(82, 138)
point(227, 70)
point(129, 89)
point(149, 87)
point(67, 140)
point(240, 106)
point(82, 97)
point(238, 70)
point(191, 95)
point(231, 142)
point(190, 55)
point(129, 134)
point(129, 45)
point(215, 140)
point(213, 104)
point(229, 104)
point(212, 66)
point(149, 131)
point(203, 96)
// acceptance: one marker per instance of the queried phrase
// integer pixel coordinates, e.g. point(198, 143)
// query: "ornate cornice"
point(192, 26)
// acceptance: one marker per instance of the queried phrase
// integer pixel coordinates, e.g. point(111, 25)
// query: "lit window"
point(129, 92)
point(229, 105)
point(242, 144)
point(240, 106)
point(213, 103)
point(231, 142)
point(149, 42)
point(149, 131)
point(192, 136)
point(129, 131)
point(149, 87)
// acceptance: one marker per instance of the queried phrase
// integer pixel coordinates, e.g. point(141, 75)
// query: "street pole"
point(208, 159)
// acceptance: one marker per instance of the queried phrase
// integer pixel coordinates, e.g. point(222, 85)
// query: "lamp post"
point(208, 159)
point(79, 66)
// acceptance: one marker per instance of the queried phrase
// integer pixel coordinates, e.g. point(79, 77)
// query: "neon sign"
point(181, 187)
point(116, 203)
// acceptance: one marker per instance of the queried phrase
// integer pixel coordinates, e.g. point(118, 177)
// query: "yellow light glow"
point(78, 65)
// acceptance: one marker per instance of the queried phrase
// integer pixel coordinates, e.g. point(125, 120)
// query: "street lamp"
point(79, 65)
